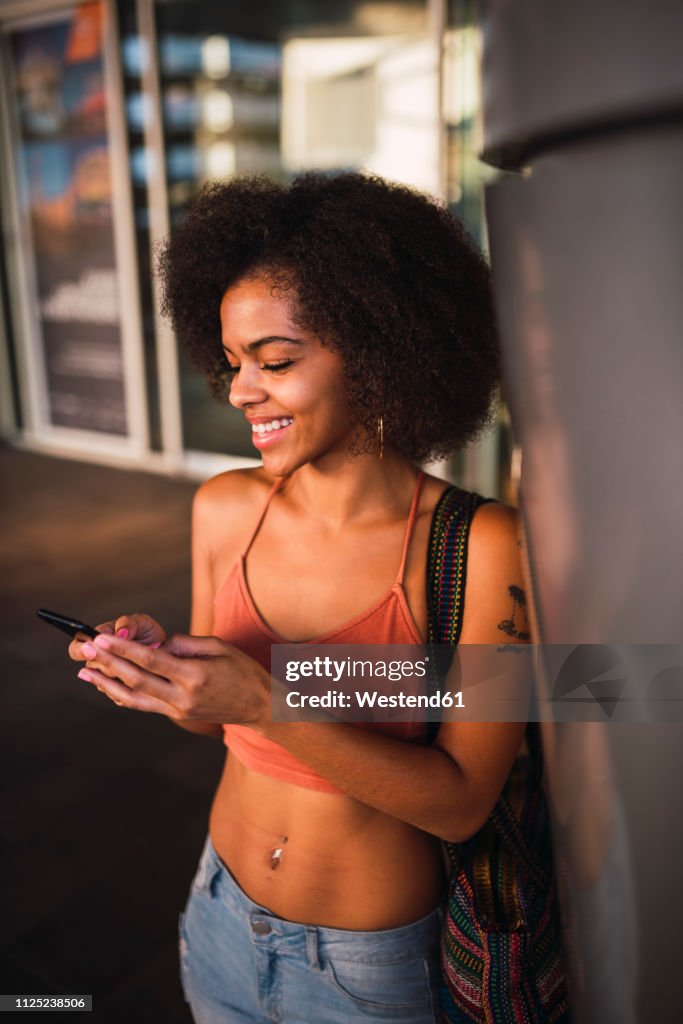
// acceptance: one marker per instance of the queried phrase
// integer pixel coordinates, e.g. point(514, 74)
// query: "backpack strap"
point(501, 950)
point(446, 578)
point(447, 563)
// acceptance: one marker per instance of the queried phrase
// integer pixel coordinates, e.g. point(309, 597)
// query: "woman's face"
point(290, 388)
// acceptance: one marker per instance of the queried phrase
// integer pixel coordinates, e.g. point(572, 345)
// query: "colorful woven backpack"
point(501, 948)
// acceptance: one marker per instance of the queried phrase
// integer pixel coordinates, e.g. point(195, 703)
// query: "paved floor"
point(103, 811)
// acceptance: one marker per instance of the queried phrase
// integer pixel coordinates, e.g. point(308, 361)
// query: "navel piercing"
point(276, 855)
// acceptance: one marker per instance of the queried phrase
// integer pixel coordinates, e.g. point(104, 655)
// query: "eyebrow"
point(254, 346)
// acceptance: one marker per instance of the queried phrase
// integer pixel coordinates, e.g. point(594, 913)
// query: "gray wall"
point(587, 251)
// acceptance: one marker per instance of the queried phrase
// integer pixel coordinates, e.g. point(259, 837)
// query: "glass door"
point(76, 321)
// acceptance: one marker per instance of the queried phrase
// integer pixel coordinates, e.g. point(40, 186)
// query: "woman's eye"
point(282, 364)
point(275, 367)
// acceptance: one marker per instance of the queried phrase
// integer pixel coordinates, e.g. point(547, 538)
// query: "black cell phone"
point(67, 624)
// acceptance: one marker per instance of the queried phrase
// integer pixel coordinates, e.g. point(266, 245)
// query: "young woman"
point(353, 321)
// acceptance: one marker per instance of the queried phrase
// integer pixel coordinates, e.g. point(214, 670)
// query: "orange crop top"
point(238, 621)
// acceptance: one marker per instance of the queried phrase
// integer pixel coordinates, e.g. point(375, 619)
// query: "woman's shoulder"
point(490, 518)
point(235, 496)
point(494, 523)
point(496, 588)
point(495, 529)
point(238, 486)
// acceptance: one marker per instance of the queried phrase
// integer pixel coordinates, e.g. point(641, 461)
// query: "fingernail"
point(123, 633)
point(102, 641)
point(85, 676)
point(157, 644)
point(90, 651)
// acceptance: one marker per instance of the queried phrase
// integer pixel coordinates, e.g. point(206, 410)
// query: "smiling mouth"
point(265, 434)
point(271, 425)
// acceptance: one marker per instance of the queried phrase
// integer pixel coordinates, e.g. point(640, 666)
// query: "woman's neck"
point(356, 488)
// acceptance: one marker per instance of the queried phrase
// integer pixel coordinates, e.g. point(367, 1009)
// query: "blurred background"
point(115, 114)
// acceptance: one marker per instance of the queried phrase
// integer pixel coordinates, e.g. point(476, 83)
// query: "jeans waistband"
point(214, 877)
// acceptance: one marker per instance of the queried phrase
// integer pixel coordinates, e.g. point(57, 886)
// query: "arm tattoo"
point(509, 626)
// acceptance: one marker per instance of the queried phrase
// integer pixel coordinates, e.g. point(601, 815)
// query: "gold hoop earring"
point(380, 435)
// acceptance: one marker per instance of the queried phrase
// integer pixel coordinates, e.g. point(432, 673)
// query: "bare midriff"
point(343, 864)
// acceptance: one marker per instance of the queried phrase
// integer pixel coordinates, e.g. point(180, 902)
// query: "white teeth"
point(267, 428)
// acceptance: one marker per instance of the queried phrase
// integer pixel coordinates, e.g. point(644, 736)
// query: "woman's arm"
point(201, 617)
point(451, 788)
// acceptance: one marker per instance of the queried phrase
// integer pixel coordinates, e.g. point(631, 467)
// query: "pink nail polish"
point(90, 651)
point(123, 633)
point(85, 676)
point(157, 644)
point(103, 641)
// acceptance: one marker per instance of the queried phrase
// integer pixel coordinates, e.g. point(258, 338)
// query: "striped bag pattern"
point(501, 949)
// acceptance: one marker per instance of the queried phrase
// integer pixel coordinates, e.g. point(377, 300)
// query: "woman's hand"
point(187, 678)
point(142, 628)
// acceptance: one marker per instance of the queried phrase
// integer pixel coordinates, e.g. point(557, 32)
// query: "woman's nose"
point(246, 389)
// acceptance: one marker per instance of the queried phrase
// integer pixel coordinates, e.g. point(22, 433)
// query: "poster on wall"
point(65, 184)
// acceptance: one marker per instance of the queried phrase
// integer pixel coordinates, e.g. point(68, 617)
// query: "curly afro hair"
point(382, 274)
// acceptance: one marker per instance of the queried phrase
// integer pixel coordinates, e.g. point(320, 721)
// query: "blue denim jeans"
point(240, 964)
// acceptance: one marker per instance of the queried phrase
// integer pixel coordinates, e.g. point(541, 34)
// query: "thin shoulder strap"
point(409, 527)
point(273, 491)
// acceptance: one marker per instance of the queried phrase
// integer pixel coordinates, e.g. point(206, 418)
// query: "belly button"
point(276, 855)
